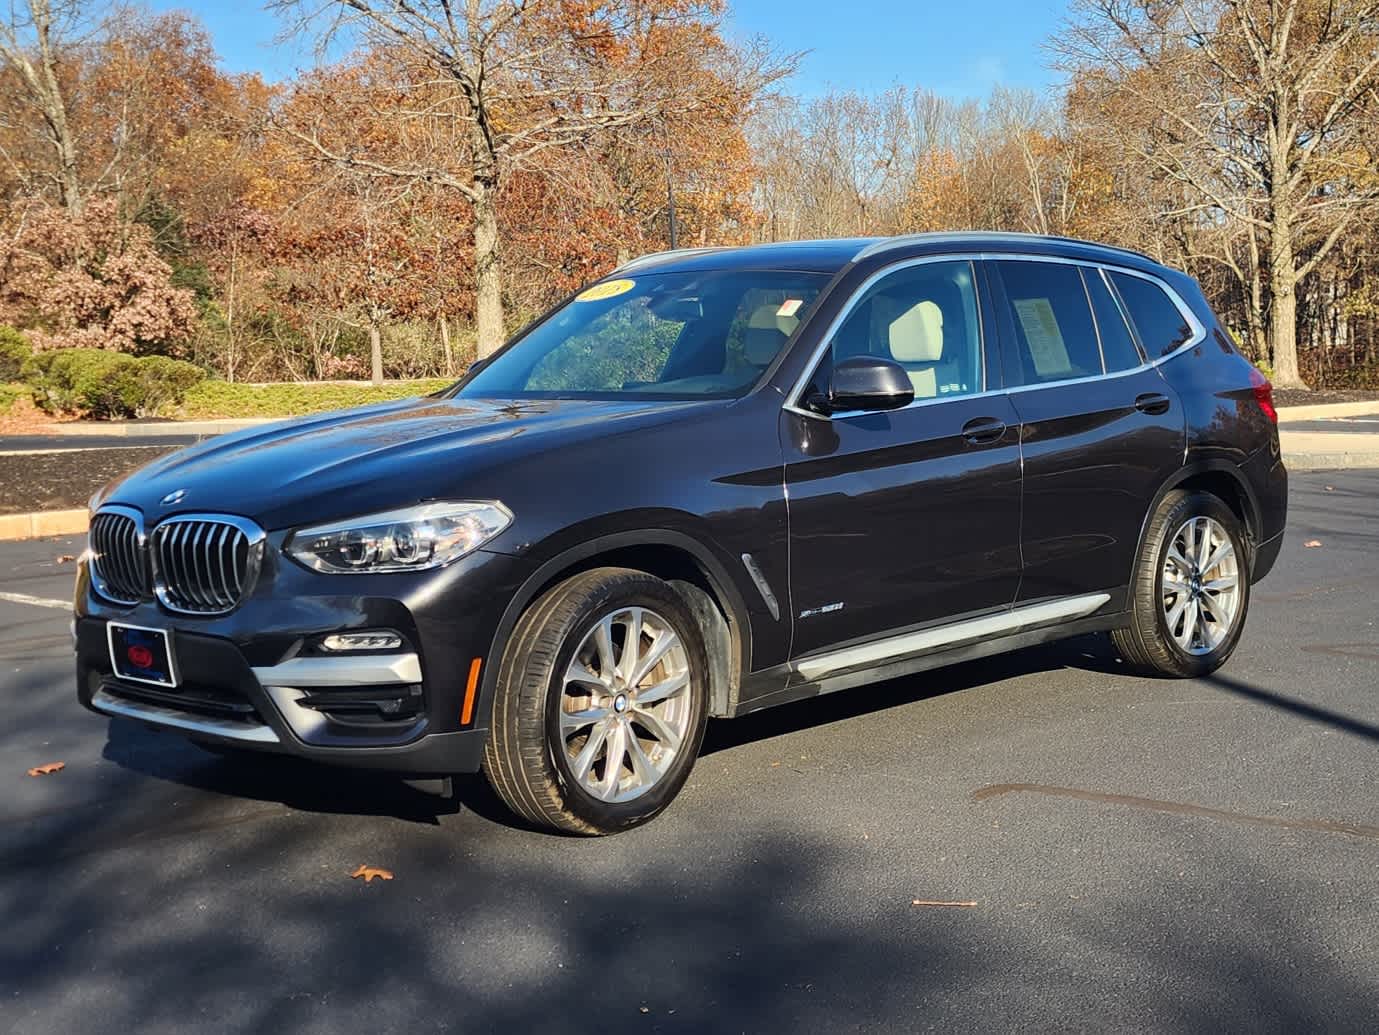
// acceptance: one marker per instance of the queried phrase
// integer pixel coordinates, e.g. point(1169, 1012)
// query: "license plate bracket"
point(142, 654)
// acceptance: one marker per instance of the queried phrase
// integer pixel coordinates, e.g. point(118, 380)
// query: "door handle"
point(980, 430)
point(1152, 402)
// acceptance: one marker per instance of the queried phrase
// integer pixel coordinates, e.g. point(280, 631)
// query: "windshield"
point(659, 335)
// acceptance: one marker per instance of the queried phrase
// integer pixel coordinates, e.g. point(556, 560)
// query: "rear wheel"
point(600, 705)
point(1191, 589)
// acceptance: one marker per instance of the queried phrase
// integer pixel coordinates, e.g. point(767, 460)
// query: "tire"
point(1155, 641)
point(551, 737)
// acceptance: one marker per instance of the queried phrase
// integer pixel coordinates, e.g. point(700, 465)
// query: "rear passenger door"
point(1100, 429)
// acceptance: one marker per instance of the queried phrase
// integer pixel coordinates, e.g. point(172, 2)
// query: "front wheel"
point(1191, 588)
point(600, 705)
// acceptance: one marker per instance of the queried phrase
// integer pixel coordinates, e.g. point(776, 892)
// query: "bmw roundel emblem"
point(176, 496)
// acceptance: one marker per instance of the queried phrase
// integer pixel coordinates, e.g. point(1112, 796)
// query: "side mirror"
point(869, 383)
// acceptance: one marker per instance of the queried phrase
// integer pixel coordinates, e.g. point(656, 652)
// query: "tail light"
point(1264, 395)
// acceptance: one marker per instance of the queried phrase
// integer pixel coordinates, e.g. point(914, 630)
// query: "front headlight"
point(431, 535)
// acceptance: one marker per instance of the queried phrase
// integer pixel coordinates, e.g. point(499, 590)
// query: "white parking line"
point(24, 598)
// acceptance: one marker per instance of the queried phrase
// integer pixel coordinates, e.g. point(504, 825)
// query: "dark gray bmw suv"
point(719, 480)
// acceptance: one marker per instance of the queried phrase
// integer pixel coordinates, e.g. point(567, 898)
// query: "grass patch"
point(214, 399)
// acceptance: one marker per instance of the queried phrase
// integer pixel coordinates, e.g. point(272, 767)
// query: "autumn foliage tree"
point(497, 84)
point(91, 281)
point(1263, 114)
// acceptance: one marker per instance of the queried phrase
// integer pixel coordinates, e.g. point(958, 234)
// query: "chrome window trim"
point(98, 583)
point(795, 395)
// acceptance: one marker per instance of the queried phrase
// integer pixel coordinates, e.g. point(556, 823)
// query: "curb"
point(1350, 409)
point(162, 429)
point(42, 523)
point(1330, 461)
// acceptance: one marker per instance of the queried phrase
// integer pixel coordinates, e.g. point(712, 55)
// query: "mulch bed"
point(65, 480)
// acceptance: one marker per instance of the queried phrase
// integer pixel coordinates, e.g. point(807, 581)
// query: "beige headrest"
point(766, 333)
point(917, 334)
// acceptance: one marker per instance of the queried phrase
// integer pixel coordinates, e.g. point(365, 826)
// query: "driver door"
point(910, 517)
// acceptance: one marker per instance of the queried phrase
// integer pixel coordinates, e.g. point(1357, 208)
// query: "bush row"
point(101, 384)
point(211, 399)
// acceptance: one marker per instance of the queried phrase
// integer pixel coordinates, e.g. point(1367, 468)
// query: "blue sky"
point(958, 49)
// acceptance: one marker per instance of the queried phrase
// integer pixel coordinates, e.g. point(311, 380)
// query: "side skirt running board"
point(880, 651)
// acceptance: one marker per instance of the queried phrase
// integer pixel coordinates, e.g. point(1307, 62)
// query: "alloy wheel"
point(625, 707)
point(1200, 585)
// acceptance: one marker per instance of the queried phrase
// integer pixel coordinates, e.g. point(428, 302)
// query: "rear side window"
point(1117, 346)
point(1160, 325)
point(1055, 339)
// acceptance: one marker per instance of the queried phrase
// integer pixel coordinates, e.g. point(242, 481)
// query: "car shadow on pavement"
point(1090, 652)
point(263, 776)
point(313, 787)
point(652, 931)
point(1311, 712)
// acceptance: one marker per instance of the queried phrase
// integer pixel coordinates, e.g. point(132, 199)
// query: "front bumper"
point(252, 678)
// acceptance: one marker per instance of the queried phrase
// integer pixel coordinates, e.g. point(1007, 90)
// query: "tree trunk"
point(1283, 308)
point(445, 347)
point(1254, 304)
point(488, 281)
point(375, 350)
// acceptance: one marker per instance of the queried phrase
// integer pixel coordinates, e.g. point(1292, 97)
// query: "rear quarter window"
point(1118, 348)
point(1161, 326)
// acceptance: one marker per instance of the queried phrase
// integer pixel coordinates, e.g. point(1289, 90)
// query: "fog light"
point(361, 641)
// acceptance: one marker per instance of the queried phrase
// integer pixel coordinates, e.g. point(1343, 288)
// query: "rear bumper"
point(1268, 478)
point(1266, 553)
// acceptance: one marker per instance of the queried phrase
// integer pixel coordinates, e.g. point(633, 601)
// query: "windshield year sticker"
point(791, 307)
point(608, 289)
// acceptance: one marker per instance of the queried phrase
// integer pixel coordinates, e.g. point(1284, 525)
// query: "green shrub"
point(96, 383)
point(14, 352)
point(211, 399)
point(165, 383)
point(9, 395)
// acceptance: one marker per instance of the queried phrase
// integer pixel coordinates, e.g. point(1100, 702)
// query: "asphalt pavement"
point(1117, 852)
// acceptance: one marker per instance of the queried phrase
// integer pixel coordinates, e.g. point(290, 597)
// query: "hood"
point(355, 461)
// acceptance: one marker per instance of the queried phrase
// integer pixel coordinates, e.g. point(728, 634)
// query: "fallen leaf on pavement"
point(370, 872)
point(1312, 543)
point(46, 768)
point(65, 558)
point(933, 902)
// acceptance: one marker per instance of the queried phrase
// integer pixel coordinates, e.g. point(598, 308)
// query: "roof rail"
point(888, 243)
point(642, 260)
